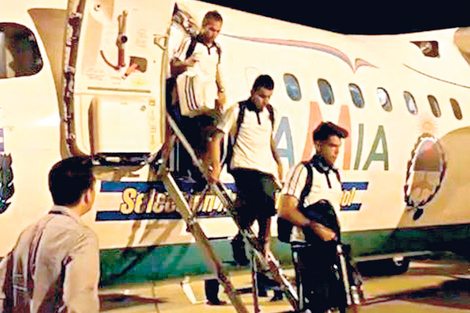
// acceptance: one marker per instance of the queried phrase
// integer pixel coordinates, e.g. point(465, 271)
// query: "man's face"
point(329, 149)
point(261, 97)
point(210, 31)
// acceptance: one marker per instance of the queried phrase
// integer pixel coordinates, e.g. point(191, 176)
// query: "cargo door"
point(112, 93)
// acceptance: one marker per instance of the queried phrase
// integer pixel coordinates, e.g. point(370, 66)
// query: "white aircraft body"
point(404, 99)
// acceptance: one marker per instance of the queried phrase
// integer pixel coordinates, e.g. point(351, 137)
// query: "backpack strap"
point(271, 114)
point(241, 116)
point(192, 46)
point(219, 50)
point(308, 184)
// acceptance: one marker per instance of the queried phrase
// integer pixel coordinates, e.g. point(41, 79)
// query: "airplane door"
point(112, 101)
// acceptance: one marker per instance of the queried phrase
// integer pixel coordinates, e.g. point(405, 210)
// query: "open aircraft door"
point(112, 87)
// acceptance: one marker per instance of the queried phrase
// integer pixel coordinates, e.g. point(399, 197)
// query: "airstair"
point(269, 265)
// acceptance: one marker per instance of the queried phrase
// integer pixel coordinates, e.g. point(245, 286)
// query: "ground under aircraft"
point(94, 84)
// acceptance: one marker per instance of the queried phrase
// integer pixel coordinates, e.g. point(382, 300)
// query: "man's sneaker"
point(278, 295)
point(216, 302)
point(238, 249)
point(264, 283)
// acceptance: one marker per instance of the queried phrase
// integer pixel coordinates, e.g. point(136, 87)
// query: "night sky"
point(360, 16)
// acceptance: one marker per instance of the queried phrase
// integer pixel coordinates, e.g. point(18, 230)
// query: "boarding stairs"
point(270, 265)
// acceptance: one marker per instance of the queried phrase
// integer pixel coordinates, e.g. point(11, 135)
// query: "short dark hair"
point(212, 15)
point(327, 129)
point(69, 179)
point(263, 81)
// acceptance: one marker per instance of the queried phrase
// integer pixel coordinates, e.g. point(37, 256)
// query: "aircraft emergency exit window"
point(19, 52)
point(292, 87)
point(356, 95)
point(384, 99)
point(326, 91)
point(456, 108)
point(410, 103)
point(434, 106)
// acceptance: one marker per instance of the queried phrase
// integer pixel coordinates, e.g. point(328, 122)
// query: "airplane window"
point(19, 52)
point(410, 103)
point(384, 99)
point(326, 91)
point(292, 87)
point(456, 108)
point(434, 106)
point(356, 95)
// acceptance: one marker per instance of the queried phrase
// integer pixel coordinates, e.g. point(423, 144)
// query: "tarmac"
point(437, 285)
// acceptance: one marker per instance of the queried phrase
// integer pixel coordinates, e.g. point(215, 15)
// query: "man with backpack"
point(196, 78)
point(195, 97)
point(254, 164)
point(308, 200)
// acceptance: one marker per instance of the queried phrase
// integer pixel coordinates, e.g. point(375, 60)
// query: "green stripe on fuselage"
point(163, 262)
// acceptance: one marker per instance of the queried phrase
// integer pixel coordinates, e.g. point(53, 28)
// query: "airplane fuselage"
point(401, 97)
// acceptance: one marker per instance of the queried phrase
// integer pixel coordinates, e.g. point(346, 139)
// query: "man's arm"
point(178, 67)
point(278, 160)
point(288, 209)
point(82, 276)
point(221, 99)
point(179, 63)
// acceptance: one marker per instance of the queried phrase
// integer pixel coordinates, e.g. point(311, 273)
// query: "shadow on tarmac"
point(450, 294)
point(115, 301)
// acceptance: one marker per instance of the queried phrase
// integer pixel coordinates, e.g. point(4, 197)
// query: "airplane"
point(94, 84)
